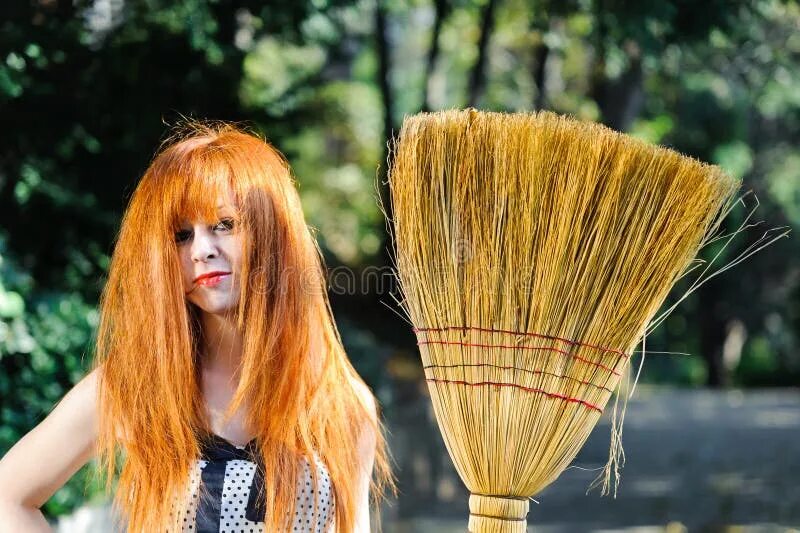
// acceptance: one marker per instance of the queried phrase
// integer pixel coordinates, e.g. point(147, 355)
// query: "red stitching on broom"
point(579, 358)
point(523, 370)
point(529, 389)
point(524, 333)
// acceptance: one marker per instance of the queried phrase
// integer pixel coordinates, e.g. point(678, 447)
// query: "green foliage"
point(44, 339)
point(335, 165)
point(275, 74)
point(758, 362)
point(783, 175)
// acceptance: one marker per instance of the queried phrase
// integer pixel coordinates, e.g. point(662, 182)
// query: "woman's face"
point(206, 248)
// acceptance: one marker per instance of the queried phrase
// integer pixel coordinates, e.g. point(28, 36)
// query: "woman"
point(218, 372)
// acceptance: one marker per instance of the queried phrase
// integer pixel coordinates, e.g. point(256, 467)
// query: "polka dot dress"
point(230, 476)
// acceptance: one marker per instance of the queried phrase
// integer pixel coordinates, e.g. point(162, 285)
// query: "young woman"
point(219, 372)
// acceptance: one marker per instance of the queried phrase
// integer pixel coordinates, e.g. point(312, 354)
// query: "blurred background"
point(87, 89)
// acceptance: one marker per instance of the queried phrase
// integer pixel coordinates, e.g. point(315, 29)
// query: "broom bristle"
point(532, 250)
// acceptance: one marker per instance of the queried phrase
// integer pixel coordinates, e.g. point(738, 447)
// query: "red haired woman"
point(219, 372)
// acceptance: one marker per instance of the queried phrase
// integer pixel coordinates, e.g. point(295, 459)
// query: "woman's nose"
point(203, 248)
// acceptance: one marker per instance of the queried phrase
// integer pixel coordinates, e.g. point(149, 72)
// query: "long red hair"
point(301, 393)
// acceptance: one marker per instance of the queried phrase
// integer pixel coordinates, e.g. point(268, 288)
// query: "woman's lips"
point(212, 280)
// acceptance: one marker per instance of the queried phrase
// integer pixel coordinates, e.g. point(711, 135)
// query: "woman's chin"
point(221, 309)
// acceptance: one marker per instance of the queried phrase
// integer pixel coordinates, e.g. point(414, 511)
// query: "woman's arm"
point(23, 519)
point(45, 458)
point(366, 447)
point(368, 459)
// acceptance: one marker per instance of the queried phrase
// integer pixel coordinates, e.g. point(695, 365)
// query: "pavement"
point(696, 460)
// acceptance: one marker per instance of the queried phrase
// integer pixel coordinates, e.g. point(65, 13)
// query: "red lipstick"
point(209, 279)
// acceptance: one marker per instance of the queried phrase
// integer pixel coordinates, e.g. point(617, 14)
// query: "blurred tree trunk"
point(387, 156)
point(477, 79)
point(619, 100)
point(712, 332)
point(442, 9)
point(540, 54)
point(540, 23)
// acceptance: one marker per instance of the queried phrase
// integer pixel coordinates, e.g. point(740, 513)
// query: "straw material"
point(533, 251)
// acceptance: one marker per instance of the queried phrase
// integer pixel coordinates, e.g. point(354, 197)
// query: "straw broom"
point(532, 251)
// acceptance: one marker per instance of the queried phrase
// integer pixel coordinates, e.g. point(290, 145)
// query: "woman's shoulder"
point(367, 437)
point(365, 395)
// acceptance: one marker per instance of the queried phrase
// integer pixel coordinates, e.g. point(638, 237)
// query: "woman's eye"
point(182, 236)
point(226, 224)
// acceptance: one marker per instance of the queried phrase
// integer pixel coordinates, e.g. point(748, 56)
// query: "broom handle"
point(497, 514)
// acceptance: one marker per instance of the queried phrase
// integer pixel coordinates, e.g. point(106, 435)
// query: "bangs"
point(197, 185)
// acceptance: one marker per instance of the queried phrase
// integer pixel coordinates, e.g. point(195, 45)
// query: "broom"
point(533, 250)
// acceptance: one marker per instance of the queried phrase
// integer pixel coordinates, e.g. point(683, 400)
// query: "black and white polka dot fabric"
point(233, 483)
